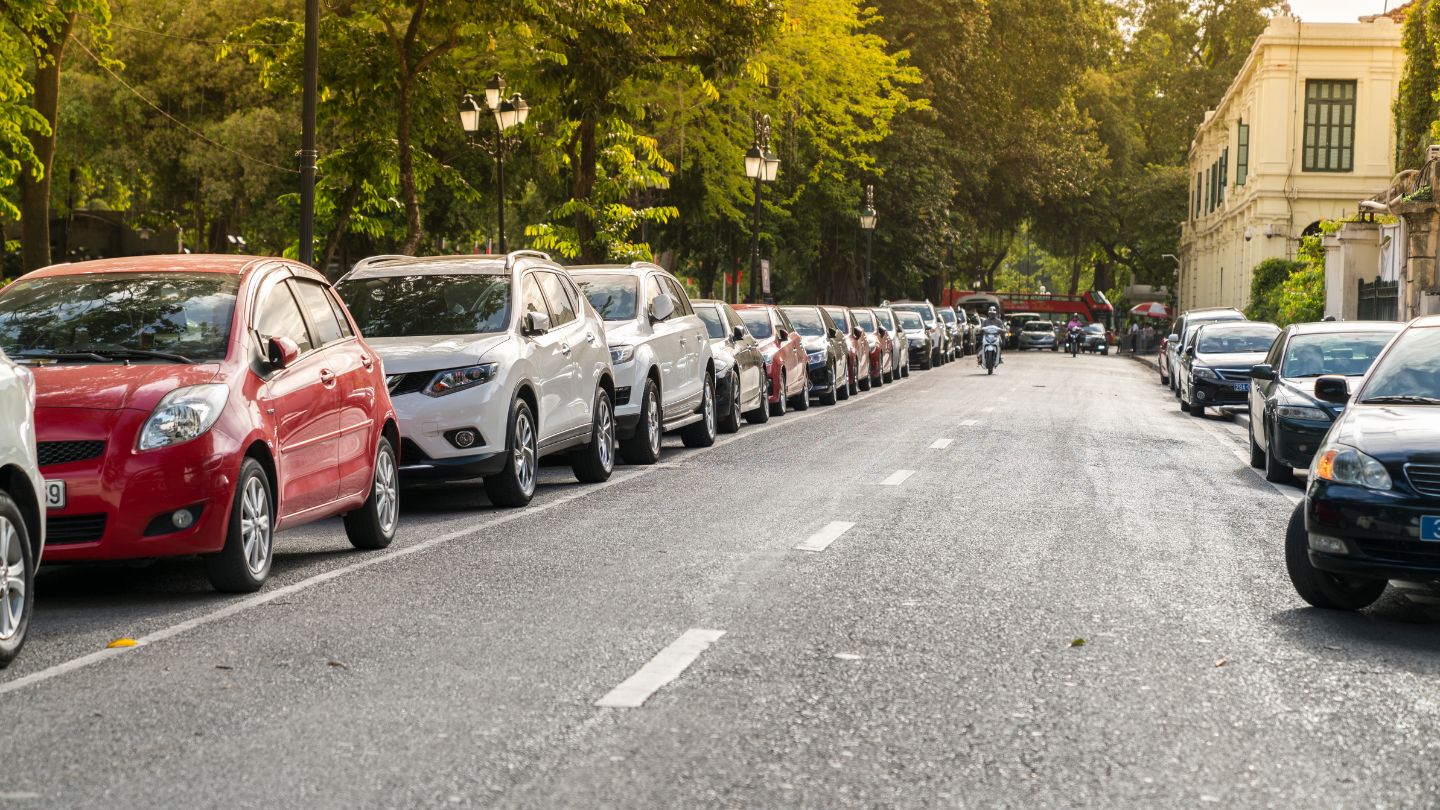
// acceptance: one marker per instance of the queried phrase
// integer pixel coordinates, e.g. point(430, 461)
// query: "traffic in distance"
point(196, 406)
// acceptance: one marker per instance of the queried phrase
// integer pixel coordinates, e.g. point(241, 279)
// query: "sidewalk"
point(1241, 417)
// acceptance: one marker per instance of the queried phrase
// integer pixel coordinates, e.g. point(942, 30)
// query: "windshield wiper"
point(1401, 399)
point(42, 354)
point(114, 352)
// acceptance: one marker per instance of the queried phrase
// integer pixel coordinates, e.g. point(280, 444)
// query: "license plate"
point(54, 494)
point(1242, 386)
point(1430, 528)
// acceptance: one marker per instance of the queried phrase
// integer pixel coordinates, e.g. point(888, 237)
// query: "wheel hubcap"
point(735, 399)
point(605, 434)
point(387, 501)
point(255, 528)
point(652, 423)
point(12, 580)
point(525, 453)
point(709, 407)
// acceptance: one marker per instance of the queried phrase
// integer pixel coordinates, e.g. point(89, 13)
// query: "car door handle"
point(367, 362)
point(590, 336)
point(327, 377)
point(565, 349)
point(683, 341)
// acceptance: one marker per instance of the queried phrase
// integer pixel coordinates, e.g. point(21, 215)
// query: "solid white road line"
point(269, 596)
point(660, 670)
point(822, 539)
point(941, 444)
point(968, 423)
point(1288, 493)
point(897, 478)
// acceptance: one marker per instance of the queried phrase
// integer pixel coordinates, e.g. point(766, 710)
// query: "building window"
point(1329, 126)
point(1242, 153)
point(1224, 172)
point(1199, 192)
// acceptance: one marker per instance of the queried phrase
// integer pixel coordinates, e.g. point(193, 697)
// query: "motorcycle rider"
point(1074, 325)
point(992, 318)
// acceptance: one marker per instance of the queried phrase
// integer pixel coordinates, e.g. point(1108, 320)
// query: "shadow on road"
point(1398, 631)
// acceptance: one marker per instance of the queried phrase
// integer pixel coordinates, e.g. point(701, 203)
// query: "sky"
point(1338, 10)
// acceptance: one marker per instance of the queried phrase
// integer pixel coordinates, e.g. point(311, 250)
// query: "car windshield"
point(613, 297)
point(184, 315)
point(1347, 353)
point(714, 326)
point(838, 317)
point(947, 316)
point(758, 322)
point(865, 319)
point(1410, 372)
point(1036, 326)
point(884, 320)
point(1237, 341)
point(807, 321)
point(909, 320)
point(450, 304)
point(1095, 328)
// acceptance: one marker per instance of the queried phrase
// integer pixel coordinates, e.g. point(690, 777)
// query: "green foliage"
point(1417, 110)
point(1301, 298)
point(18, 120)
point(1266, 281)
point(1286, 291)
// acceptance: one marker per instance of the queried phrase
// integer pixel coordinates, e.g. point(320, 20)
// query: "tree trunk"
point(35, 191)
point(409, 194)
point(337, 231)
point(582, 186)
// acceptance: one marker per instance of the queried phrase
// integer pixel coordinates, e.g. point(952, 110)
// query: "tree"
point(1417, 108)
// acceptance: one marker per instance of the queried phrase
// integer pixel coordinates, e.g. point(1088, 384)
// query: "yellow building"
point(1304, 133)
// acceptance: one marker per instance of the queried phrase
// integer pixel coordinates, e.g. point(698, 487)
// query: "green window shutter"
point(1242, 153)
point(1329, 126)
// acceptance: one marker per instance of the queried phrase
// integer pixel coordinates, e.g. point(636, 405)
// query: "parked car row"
point(196, 405)
point(1357, 404)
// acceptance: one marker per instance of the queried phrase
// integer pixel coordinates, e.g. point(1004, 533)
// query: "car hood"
point(402, 355)
point(916, 334)
point(814, 344)
point(1391, 432)
point(109, 387)
point(1301, 391)
point(1238, 360)
point(622, 332)
point(724, 355)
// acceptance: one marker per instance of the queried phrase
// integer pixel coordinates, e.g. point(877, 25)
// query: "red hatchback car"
point(197, 405)
point(784, 356)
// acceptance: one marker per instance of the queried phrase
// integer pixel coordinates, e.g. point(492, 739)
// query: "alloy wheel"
point(605, 434)
point(12, 580)
point(525, 453)
point(709, 406)
point(652, 424)
point(256, 529)
point(387, 500)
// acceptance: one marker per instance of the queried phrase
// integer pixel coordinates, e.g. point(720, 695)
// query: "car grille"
point(51, 453)
point(63, 529)
point(1400, 551)
point(1234, 374)
point(411, 383)
point(1425, 478)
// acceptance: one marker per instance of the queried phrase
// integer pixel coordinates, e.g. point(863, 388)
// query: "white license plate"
point(54, 494)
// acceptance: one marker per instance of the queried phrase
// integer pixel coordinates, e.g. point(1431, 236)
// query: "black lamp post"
point(867, 224)
point(761, 165)
point(308, 153)
point(508, 114)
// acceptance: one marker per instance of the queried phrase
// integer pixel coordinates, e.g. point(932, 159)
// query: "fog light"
point(182, 518)
point(464, 438)
point(1329, 545)
point(1199, 394)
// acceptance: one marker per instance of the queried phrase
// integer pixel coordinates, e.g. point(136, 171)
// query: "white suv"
point(664, 374)
point(22, 493)
point(492, 362)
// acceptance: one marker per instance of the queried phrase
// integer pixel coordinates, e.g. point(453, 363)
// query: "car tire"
point(926, 364)
point(1276, 471)
point(782, 400)
point(844, 391)
point(761, 415)
point(1164, 380)
point(905, 370)
point(864, 383)
point(1323, 589)
point(514, 485)
point(243, 563)
point(1257, 456)
point(702, 433)
point(593, 463)
point(730, 420)
point(831, 396)
point(373, 525)
point(644, 446)
point(17, 589)
point(801, 402)
point(1196, 410)
point(852, 385)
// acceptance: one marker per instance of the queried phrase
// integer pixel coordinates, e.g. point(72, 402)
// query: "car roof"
point(390, 266)
point(1327, 327)
point(1225, 326)
point(618, 269)
point(1213, 310)
point(161, 263)
point(1426, 321)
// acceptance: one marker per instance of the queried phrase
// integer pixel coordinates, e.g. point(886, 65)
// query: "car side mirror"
point(1173, 338)
point(661, 307)
point(1189, 351)
point(833, 332)
point(536, 323)
point(737, 334)
point(782, 335)
point(1263, 371)
point(1332, 388)
point(859, 333)
point(281, 351)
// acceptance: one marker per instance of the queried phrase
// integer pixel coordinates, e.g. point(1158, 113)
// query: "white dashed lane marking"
point(822, 539)
point(941, 444)
point(897, 478)
point(968, 423)
point(665, 667)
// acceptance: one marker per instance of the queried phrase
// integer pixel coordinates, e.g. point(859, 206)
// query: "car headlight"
point(184, 414)
point(816, 357)
point(1302, 412)
point(458, 379)
point(621, 354)
point(1205, 373)
point(1346, 465)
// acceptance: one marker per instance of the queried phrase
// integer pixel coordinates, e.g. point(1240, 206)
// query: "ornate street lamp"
point(762, 166)
point(508, 113)
point(867, 224)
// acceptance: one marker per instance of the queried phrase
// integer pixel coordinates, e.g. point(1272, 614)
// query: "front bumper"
point(1218, 395)
point(819, 376)
point(1042, 342)
point(428, 423)
point(1380, 530)
point(1294, 442)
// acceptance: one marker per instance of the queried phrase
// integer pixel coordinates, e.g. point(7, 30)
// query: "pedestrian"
point(1134, 335)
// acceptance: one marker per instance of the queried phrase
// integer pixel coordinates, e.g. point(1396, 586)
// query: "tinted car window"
point(317, 307)
point(865, 320)
point(758, 322)
point(1036, 326)
point(837, 317)
point(713, 325)
point(682, 299)
point(182, 313)
point(909, 320)
point(1235, 341)
point(401, 306)
point(613, 297)
point(280, 317)
point(1349, 353)
point(531, 298)
point(340, 313)
point(885, 320)
point(947, 315)
point(1410, 369)
point(562, 311)
point(808, 321)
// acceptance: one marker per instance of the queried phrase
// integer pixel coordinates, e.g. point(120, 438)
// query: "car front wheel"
point(644, 446)
point(372, 526)
point(243, 563)
point(730, 420)
point(1277, 471)
point(1323, 589)
point(593, 463)
point(514, 485)
point(761, 415)
point(1257, 456)
point(17, 579)
point(702, 433)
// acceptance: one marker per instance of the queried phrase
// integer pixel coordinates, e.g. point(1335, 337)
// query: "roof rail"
point(369, 260)
point(521, 254)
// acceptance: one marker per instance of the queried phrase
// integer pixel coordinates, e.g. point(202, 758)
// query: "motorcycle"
point(1073, 341)
point(990, 348)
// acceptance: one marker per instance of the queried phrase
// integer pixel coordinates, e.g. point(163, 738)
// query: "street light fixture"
point(762, 166)
point(508, 114)
point(867, 224)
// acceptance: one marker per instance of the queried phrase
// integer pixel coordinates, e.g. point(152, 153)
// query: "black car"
point(1214, 369)
point(1372, 509)
point(741, 387)
point(827, 355)
point(1287, 420)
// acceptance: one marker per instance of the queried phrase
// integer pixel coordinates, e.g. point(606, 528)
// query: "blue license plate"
point(1430, 528)
point(1242, 386)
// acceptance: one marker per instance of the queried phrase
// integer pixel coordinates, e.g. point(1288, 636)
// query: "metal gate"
point(1378, 300)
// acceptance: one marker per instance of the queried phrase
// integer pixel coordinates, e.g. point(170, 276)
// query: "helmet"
point(990, 311)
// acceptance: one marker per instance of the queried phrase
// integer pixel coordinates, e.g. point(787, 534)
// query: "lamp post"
point(867, 224)
point(761, 165)
point(308, 152)
point(508, 114)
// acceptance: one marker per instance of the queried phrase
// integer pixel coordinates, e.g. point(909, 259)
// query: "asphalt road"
point(928, 656)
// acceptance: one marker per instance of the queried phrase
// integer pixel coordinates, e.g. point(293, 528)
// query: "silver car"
point(23, 499)
point(1037, 335)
